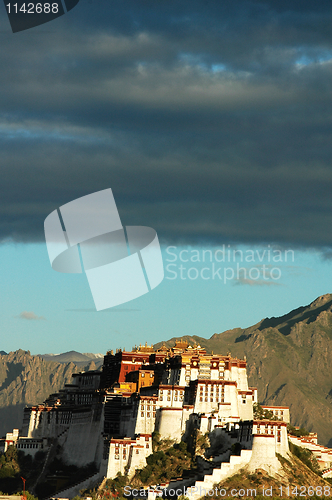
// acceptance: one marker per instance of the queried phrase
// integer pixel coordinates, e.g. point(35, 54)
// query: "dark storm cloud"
point(211, 121)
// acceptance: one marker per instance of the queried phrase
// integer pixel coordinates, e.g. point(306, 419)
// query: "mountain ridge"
point(288, 360)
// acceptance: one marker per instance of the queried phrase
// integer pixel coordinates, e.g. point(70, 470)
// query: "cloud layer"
point(29, 315)
point(211, 121)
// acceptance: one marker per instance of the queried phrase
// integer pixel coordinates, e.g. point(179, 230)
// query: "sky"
point(211, 123)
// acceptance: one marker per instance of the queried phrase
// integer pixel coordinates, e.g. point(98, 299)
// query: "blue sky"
point(176, 307)
point(211, 123)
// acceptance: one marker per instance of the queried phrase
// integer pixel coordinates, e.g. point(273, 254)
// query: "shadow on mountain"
point(11, 418)
point(242, 338)
point(14, 370)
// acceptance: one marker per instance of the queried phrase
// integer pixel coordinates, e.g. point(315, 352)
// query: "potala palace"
point(108, 417)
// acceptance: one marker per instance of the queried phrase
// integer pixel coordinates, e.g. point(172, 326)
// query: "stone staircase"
point(224, 470)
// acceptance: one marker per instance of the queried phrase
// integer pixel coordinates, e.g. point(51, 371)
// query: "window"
point(211, 399)
point(147, 445)
point(244, 401)
point(151, 375)
point(142, 413)
point(142, 375)
point(148, 407)
point(168, 398)
point(206, 398)
point(148, 415)
point(116, 457)
point(154, 413)
point(137, 452)
point(201, 399)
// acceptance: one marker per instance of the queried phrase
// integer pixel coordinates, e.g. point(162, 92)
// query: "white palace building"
point(108, 417)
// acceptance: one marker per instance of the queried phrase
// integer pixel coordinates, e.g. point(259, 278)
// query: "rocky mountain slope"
point(26, 379)
point(289, 360)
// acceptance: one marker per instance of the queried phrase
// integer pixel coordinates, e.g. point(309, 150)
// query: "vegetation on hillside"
point(168, 460)
point(14, 465)
point(164, 463)
point(293, 431)
point(306, 456)
point(60, 476)
point(262, 413)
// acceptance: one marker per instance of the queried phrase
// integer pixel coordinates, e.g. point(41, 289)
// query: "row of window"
point(148, 415)
point(117, 452)
point(169, 392)
point(213, 388)
point(148, 405)
point(33, 445)
point(219, 399)
point(85, 380)
point(161, 398)
point(267, 426)
point(271, 432)
point(206, 366)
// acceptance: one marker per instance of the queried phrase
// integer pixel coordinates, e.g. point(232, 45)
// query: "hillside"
point(289, 360)
point(294, 478)
point(26, 379)
point(297, 476)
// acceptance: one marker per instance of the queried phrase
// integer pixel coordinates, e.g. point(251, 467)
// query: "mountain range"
point(289, 360)
point(75, 357)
